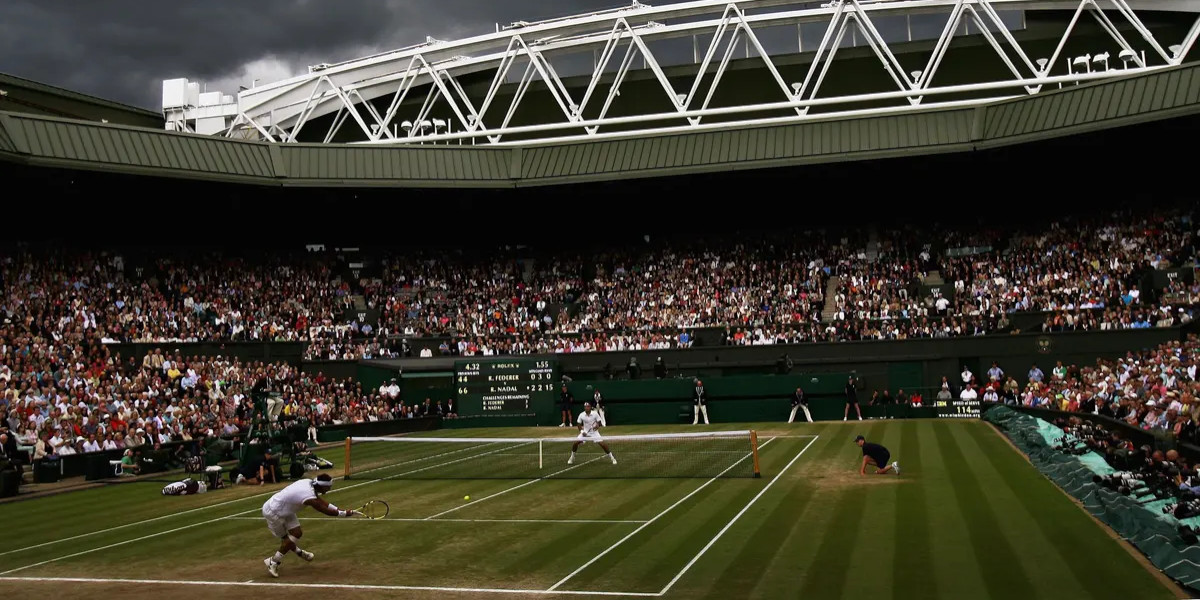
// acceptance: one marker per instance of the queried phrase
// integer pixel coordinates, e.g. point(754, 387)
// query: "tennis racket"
point(375, 509)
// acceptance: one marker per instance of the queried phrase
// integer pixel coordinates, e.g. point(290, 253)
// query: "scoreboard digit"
point(513, 386)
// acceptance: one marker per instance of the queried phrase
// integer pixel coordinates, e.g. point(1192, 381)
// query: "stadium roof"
point(24, 96)
point(53, 142)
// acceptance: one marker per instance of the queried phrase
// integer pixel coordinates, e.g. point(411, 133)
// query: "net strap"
point(660, 437)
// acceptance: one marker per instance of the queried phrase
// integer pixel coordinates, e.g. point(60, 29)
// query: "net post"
point(754, 451)
point(539, 454)
point(347, 461)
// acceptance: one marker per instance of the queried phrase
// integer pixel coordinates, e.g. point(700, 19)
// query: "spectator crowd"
point(66, 388)
point(1155, 390)
point(59, 398)
point(824, 285)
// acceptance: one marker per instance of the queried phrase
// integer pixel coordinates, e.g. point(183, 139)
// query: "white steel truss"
point(521, 57)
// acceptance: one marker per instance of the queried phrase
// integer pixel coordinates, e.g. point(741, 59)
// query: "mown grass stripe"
point(695, 495)
point(617, 505)
point(912, 571)
point(552, 551)
point(999, 563)
point(748, 563)
point(570, 537)
point(827, 575)
point(1074, 535)
point(747, 557)
point(666, 546)
point(956, 566)
point(875, 546)
point(790, 560)
point(674, 548)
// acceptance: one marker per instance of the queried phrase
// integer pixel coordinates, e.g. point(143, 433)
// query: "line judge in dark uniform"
point(851, 398)
point(564, 405)
point(800, 402)
point(700, 403)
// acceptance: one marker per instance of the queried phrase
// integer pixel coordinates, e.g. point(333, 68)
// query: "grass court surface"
point(968, 517)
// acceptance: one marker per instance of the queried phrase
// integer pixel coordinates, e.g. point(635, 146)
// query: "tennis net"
point(678, 455)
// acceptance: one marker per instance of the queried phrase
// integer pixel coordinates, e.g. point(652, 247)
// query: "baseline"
point(343, 586)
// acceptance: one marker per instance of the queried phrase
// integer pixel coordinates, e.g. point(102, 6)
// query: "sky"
point(122, 50)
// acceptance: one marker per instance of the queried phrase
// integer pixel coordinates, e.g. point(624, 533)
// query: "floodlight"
point(1126, 56)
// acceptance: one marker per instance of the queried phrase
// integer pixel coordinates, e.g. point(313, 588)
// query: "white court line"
point(647, 523)
point(735, 518)
point(342, 586)
point(405, 462)
point(172, 515)
point(385, 520)
point(516, 487)
point(236, 514)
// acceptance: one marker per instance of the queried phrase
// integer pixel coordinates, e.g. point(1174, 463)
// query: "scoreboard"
point(508, 386)
point(956, 408)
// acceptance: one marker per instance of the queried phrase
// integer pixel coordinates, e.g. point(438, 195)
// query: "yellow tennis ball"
point(466, 497)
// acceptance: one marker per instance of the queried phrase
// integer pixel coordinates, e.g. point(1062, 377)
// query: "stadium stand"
point(63, 391)
point(766, 290)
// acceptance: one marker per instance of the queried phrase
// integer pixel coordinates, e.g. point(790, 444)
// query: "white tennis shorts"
point(280, 525)
point(590, 436)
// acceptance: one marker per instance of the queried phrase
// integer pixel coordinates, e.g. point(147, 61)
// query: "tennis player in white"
point(589, 424)
point(280, 512)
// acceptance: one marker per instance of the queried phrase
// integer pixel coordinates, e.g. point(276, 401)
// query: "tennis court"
point(967, 518)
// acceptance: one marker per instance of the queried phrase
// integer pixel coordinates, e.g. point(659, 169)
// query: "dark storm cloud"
point(123, 49)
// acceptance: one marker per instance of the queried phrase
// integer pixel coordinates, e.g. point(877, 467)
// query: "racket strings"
point(374, 509)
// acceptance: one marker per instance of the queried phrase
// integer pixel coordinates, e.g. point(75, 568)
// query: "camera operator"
point(1187, 489)
point(1158, 476)
point(1081, 437)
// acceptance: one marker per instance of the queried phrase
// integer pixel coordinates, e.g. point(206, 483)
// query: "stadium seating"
point(62, 389)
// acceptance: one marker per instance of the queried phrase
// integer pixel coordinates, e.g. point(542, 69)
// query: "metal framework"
point(522, 54)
